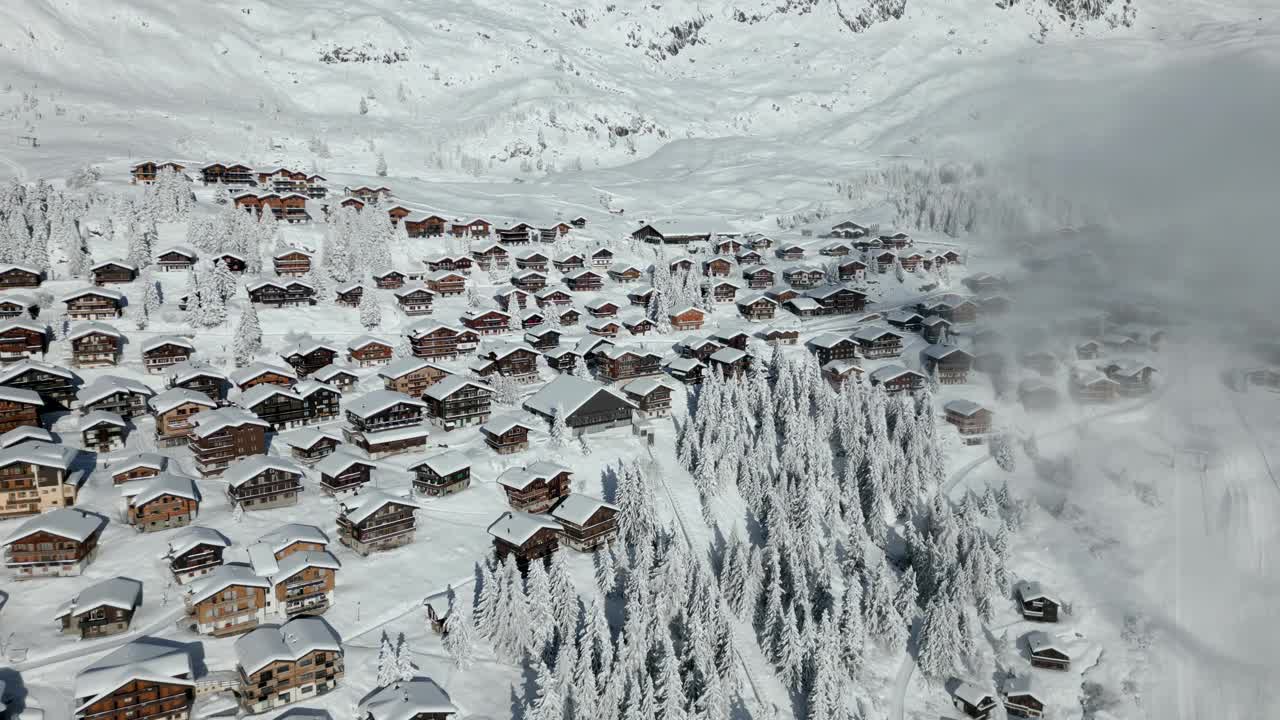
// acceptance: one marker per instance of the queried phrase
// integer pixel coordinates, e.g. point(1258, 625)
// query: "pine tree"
point(248, 336)
point(370, 310)
point(381, 169)
point(387, 670)
point(904, 600)
point(1002, 451)
point(560, 433)
point(459, 641)
point(222, 281)
point(940, 639)
point(404, 660)
point(549, 702)
point(542, 618)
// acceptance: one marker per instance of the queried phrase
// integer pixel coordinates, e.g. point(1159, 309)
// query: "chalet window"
point(97, 614)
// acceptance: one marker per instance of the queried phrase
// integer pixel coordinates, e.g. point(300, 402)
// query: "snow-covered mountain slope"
point(488, 88)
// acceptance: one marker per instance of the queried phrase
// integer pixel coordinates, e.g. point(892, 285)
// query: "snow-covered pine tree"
point(387, 670)
point(222, 281)
point(541, 613)
point(548, 704)
point(381, 168)
point(1002, 451)
point(459, 638)
point(606, 571)
point(370, 310)
point(404, 660)
point(248, 336)
point(560, 433)
point(940, 641)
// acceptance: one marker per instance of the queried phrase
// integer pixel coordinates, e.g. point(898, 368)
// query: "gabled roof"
point(407, 700)
point(118, 263)
point(161, 341)
point(288, 642)
point(164, 484)
point(20, 395)
point(891, 372)
point(117, 592)
point(1031, 590)
point(101, 292)
point(101, 417)
point(407, 291)
point(517, 528)
point(570, 393)
point(359, 507)
point(245, 374)
point(874, 333)
point(145, 658)
point(17, 369)
point(23, 324)
point(37, 452)
point(242, 471)
point(341, 460)
point(578, 509)
point(25, 433)
point(223, 577)
point(71, 523)
point(445, 463)
point(307, 438)
point(329, 372)
point(377, 401)
point(296, 562)
point(188, 369)
point(290, 251)
point(452, 384)
point(91, 327)
point(967, 408)
point(1039, 641)
point(829, 340)
point(727, 355)
point(972, 694)
point(500, 424)
point(306, 346)
point(941, 352)
point(365, 341)
point(258, 394)
point(108, 385)
point(290, 533)
point(173, 397)
point(211, 421)
point(194, 536)
point(307, 388)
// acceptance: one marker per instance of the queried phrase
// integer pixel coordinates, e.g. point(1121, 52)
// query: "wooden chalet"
point(527, 538)
point(973, 701)
point(689, 318)
point(604, 328)
point(1046, 653)
point(737, 339)
point(442, 474)
point(878, 343)
point(1091, 386)
point(586, 280)
point(447, 282)
point(233, 174)
point(418, 698)
point(672, 232)
point(415, 301)
point(384, 422)
point(620, 363)
point(486, 322)
point(553, 296)
point(198, 376)
point(102, 431)
point(562, 360)
point(569, 262)
point(146, 679)
point(349, 295)
point(699, 348)
point(222, 436)
point(1035, 603)
point(456, 402)
point(848, 229)
point(344, 472)
point(747, 256)
point(586, 523)
point(433, 340)
point(488, 257)
point(832, 346)
point(279, 294)
point(161, 353)
point(717, 267)
point(517, 234)
point(94, 304)
point(55, 385)
point(779, 336)
point(905, 321)
point(516, 361)
point(57, 543)
point(18, 306)
point(19, 407)
point(638, 325)
point(263, 374)
point(543, 337)
point(195, 553)
point(388, 279)
point(147, 172)
point(337, 377)
point(512, 299)
point(123, 396)
point(292, 262)
point(790, 252)
point(759, 277)
point(308, 355)
point(680, 264)
point(411, 376)
point(532, 260)
point(112, 272)
point(506, 434)
point(803, 277)
point(971, 419)
point(230, 599)
point(731, 362)
point(948, 363)
point(687, 370)
point(567, 316)
point(757, 307)
point(260, 482)
point(373, 521)
point(587, 406)
point(20, 276)
point(95, 344)
point(1132, 378)
point(417, 226)
point(721, 291)
point(368, 351)
point(173, 410)
point(163, 502)
point(38, 476)
point(309, 445)
point(895, 379)
point(641, 296)
point(296, 661)
point(838, 300)
point(650, 395)
point(531, 281)
point(1021, 698)
point(601, 257)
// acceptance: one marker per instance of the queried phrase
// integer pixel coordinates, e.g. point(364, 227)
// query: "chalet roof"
point(688, 308)
point(223, 577)
point(101, 417)
point(359, 507)
point(529, 275)
point(642, 387)
point(166, 484)
point(570, 393)
point(803, 303)
point(683, 364)
point(101, 292)
point(20, 395)
point(173, 397)
point(904, 317)
point(1038, 641)
point(755, 298)
point(963, 407)
point(502, 349)
point(386, 272)
point(452, 384)
point(940, 352)
point(258, 369)
point(109, 385)
point(874, 333)
point(307, 438)
point(290, 251)
point(23, 324)
point(37, 452)
point(972, 694)
point(481, 312)
point(617, 352)
point(246, 469)
point(306, 346)
point(500, 424)
point(590, 343)
point(196, 535)
point(71, 523)
point(211, 421)
point(519, 478)
point(399, 368)
point(259, 394)
point(283, 284)
point(531, 254)
point(602, 324)
point(727, 355)
point(445, 463)
point(190, 369)
point(144, 658)
point(842, 367)
point(407, 700)
point(179, 249)
point(153, 461)
point(117, 592)
point(688, 227)
point(1032, 590)
point(827, 291)
point(517, 527)
point(1085, 378)
point(559, 352)
point(25, 433)
point(159, 342)
point(6, 267)
point(935, 320)
point(1019, 685)
point(290, 533)
point(296, 562)
point(891, 372)
point(91, 327)
point(829, 340)
point(307, 388)
point(117, 263)
point(341, 460)
point(577, 509)
point(584, 272)
point(365, 341)
point(377, 401)
point(331, 371)
point(408, 291)
point(288, 642)
point(550, 290)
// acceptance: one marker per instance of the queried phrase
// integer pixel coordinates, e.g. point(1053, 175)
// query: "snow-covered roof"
point(38, 452)
point(71, 523)
point(24, 268)
point(727, 355)
point(517, 527)
point(754, 298)
point(407, 700)
point(643, 386)
point(904, 316)
point(22, 434)
point(1032, 590)
point(329, 372)
point(188, 369)
point(23, 366)
point(1019, 685)
point(873, 333)
point(93, 327)
point(407, 291)
point(829, 340)
point(282, 284)
point(365, 341)
point(117, 262)
point(445, 463)
point(290, 533)
point(519, 478)
point(890, 372)
point(290, 251)
point(248, 468)
point(180, 249)
point(288, 642)
point(295, 563)
point(211, 421)
point(403, 366)
point(100, 292)
point(1039, 641)
point(500, 424)
point(307, 438)
point(570, 393)
point(804, 303)
point(451, 384)
point(223, 577)
point(23, 324)
point(339, 461)
point(258, 394)
point(306, 346)
point(162, 340)
point(117, 592)
point(940, 352)
point(108, 385)
point(164, 484)
point(963, 407)
point(101, 417)
point(194, 536)
point(690, 226)
point(144, 658)
point(245, 374)
point(357, 508)
point(683, 364)
point(174, 397)
point(972, 694)
point(378, 401)
point(578, 509)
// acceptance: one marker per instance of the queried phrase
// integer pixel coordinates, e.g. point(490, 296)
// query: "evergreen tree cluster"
point(36, 221)
point(232, 230)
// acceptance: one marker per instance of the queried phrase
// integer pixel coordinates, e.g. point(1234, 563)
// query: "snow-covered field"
point(549, 111)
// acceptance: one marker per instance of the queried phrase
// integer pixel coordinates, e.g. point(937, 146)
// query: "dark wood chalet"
point(146, 172)
point(717, 267)
point(385, 422)
point(587, 523)
point(57, 543)
point(584, 281)
point(349, 295)
point(690, 318)
point(433, 341)
point(543, 338)
point(310, 444)
point(146, 679)
point(159, 354)
point(536, 487)
point(111, 272)
point(95, 344)
point(491, 256)
point(411, 376)
point(569, 262)
point(296, 661)
point(757, 307)
point(638, 325)
point(21, 339)
point(730, 362)
point(527, 538)
point(415, 301)
point(428, 226)
point(20, 276)
point(531, 281)
point(587, 406)
point(292, 263)
point(973, 701)
point(1021, 699)
point(447, 282)
point(505, 434)
point(198, 376)
point(601, 257)
point(19, 306)
point(163, 502)
point(779, 336)
point(838, 300)
point(640, 297)
point(878, 343)
point(344, 472)
point(562, 360)
point(373, 521)
point(366, 351)
point(518, 362)
point(830, 346)
point(895, 379)
point(443, 474)
point(651, 396)
point(476, 227)
point(457, 402)
point(948, 363)
point(307, 356)
point(388, 279)
point(1045, 652)
point(94, 304)
point(486, 322)
point(195, 553)
point(1035, 603)
point(971, 419)
point(173, 410)
point(261, 482)
point(278, 293)
point(220, 437)
point(532, 260)
point(604, 328)
point(263, 374)
point(56, 385)
point(619, 363)
point(19, 408)
point(553, 297)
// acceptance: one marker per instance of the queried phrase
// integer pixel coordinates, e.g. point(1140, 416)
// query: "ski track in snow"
point(901, 681)
point(18, 169)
